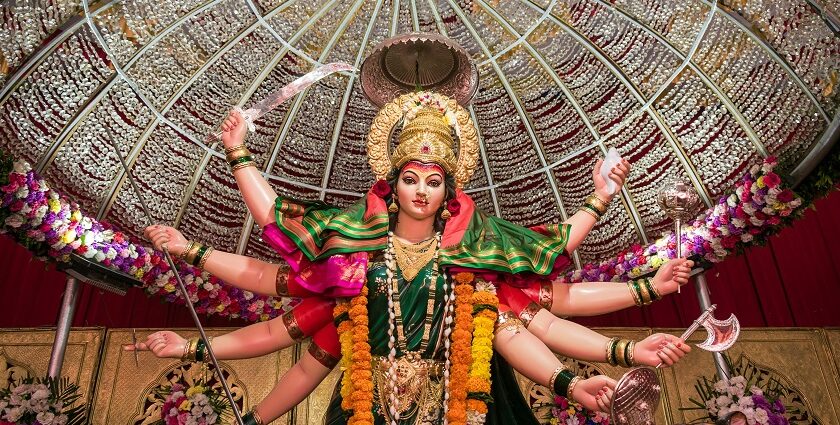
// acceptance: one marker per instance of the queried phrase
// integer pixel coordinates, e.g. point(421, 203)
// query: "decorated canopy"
point(694, 88)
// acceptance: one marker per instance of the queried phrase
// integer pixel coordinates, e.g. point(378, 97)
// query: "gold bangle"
point(234, 148)
point(186, 350)
point(233, 156)
point(239, 152)
point(653, 290)
point(597, 203)
point(631, 348)
point(571, 389)
point(643, 292)
point(554, 376)
point(590, 212)
point(204, 257)
point(256, 416)
point(186, 249)
point(192, 346)
point(634, 293)
point(189, 257)
point(620, 346)
point(610, 345)
point(243, 165)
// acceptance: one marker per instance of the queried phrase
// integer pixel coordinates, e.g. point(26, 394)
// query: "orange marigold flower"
point(477, 406)
point(464, 277)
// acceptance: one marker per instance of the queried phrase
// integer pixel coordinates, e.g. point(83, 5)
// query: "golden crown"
point(426, 138)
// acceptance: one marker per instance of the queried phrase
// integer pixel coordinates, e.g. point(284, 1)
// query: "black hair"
point(449, 193)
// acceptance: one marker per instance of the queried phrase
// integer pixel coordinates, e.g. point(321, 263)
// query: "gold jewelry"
point(242, 165)
point(189, 257)
point(393, 207)
point(631, 349)
point(411, 258)
point(555, 375)
point(621, 352)
point(257, 418)
point(652, 289)
point(237, 153)
point(509, 321)
point(611, 351)
point(192, 346)
point(634, 291)
point(590, 212)
point(186, 249)
point(204, 257)
point(596, 203)
point(643, 293)
point(445, 214)
point(234, 148)
point(426, 137)
point(186, 350)
point(571, 389)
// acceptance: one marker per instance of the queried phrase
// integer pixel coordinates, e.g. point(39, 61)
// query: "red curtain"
point(793, 281)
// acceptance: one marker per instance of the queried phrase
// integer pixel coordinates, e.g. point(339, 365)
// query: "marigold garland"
point(461, 353)
point(485, 305)
point(345, 337)
point(359, 386)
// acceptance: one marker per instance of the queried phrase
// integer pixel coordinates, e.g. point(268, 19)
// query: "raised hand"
point(595, 393)
point(672, 275)
point(233, 130)
point(166, 236)
point(162, 343)
point(659, 349)
point(618, 174)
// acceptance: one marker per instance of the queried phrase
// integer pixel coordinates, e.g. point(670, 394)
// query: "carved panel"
point(26, 352)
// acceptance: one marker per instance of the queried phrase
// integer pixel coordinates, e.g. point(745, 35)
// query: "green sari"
point(509, 406)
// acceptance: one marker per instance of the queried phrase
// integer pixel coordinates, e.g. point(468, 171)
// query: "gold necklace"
point(412, 257)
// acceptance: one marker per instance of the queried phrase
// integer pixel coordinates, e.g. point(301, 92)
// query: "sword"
point(278, 97)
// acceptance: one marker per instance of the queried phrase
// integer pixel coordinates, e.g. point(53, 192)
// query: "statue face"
point(420, 190)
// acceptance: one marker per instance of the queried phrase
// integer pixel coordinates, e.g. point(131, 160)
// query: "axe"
point(722, 334)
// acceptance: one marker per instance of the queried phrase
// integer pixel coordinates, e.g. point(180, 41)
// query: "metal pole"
point(62, 330)
point(702, 289)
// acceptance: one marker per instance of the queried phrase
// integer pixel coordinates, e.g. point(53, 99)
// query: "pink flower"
point(381, 188)
point(785, 196)
point(772, 179)
point(454, 207)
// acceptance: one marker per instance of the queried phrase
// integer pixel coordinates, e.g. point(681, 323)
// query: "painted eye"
point(434, 183)
point(408, 180)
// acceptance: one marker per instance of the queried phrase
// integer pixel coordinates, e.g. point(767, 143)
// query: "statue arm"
point(299, 381)
point(293, 387)
point(530, 357)
point(258, 194)
point(594, 298)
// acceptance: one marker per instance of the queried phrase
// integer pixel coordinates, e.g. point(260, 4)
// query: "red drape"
point(793, 281)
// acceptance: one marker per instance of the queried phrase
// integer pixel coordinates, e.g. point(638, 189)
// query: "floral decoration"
point(195, 405)
point(565, 412)
point(37, 401)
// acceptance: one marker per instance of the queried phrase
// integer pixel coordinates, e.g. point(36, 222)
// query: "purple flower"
point(761, 402)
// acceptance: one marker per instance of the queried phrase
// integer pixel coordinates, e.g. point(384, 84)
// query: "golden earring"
point(445, 214)
point(393, 207)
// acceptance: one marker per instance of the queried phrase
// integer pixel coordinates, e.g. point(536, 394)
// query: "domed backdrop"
point(692, 89)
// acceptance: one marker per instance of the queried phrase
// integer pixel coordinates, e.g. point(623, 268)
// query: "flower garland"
point(753, 211)
point(485, 311)
point(461, 355)
point(565, 412)
point(344, 327)
point(52, 227)
point(198, 404)
point(727, 396)
point(41, 401)
point(360, 383)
